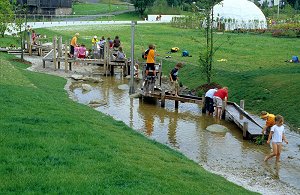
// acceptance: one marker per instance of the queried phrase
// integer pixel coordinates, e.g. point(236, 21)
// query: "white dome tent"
point(239, 14)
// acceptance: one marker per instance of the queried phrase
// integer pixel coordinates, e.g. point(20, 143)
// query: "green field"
point(99, 8)
point(52, 145)
point(255, 70)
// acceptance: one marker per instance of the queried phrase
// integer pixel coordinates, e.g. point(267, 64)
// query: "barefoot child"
point(174, 78)
point(277, 134)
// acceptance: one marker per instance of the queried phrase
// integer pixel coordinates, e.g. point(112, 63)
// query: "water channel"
point(184, 129)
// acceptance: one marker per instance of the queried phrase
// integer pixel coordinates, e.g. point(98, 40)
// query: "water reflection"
point(184, 129)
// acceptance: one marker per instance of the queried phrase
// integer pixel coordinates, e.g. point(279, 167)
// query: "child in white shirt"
point(277, 135)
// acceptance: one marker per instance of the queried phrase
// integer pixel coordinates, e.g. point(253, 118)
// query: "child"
point(209, 102)
point(151, 60)
point(110, 42)
point(277, 134)
point(174, 78)
point(220, 96)
point(120, 54)
point(82, 51)
point(33, 37)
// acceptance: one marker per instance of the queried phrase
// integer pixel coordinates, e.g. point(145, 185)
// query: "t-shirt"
point(74, 41)
point(278, 131)
point(94, 41)
point(81, 51)
point(117, 43)
point(210, 93)
point(174, 74)
point(151, 56)
point(221, 93)
point(120, 55)
point(270, 120)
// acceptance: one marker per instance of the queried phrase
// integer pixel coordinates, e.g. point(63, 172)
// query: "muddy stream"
point(184, 130)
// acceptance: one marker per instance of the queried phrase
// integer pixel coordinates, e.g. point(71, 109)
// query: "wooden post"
point(59, 50)
point(66, 57)
point(54, 52)
point(223, 110)
point(163, 98)
point(242, 105)
point(203, 104)
point(160, 72)
point(29, 47)
point(176, 104)
point(44, 64)
point(245, 130)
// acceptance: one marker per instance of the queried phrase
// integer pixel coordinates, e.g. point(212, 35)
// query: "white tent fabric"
point(239, 14)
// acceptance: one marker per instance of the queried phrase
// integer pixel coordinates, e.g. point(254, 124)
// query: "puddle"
point(184, 129)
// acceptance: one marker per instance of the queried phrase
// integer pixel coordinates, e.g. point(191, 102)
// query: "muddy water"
point(184, 129)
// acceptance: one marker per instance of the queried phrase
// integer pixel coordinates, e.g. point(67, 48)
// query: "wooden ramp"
point(251, 127)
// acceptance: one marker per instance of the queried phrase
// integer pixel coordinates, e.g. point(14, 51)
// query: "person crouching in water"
point(277, 134)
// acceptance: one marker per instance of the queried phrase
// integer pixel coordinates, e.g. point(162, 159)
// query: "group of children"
point(274, 124)
point(80, 51)
point(214, 99)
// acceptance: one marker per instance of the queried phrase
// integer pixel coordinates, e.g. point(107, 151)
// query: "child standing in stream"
point(277, 135)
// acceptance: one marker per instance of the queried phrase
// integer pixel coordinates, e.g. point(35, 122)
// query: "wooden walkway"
point(250, 127)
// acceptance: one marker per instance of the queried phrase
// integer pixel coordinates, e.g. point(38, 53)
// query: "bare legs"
point(277, 147)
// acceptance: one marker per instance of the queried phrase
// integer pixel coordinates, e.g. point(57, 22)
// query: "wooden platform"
point(250, 127)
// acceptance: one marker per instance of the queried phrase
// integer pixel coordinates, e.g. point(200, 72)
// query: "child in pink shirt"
point(82, 51)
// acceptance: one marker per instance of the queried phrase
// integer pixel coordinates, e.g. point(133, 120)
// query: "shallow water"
point(184, 129)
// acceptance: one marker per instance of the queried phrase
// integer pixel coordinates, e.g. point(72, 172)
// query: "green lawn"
point(255, 70)
point(51, 144)
point(99, 8)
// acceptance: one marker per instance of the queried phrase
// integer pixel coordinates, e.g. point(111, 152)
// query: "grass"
point(51, 144)
point(255, 70)
point(99, 8)
point(255, 62)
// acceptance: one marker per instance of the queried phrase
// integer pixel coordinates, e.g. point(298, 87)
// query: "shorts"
point(209, 104)
point(175, 86)
point(71, 49)
point(218, 102)
point(150, 66)
point(81, 56)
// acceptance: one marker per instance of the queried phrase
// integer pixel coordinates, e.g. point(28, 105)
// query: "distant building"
point(53, 7)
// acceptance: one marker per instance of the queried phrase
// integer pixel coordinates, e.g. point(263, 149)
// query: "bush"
point(286, 30)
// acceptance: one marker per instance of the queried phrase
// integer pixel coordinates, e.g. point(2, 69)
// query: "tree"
point(6, 15)
point(206, 57)
point(141, 5)
point(21, 11)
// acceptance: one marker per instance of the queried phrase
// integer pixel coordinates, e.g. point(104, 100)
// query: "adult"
point(270, 121)
point(220, 96)
point(73, 44)
point(116, 43)
point(209, 102)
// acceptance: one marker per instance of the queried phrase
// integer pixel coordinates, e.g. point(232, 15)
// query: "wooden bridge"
point(250, 126)
point(58, 55)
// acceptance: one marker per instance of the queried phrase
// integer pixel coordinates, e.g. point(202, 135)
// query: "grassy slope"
point(255, 69)
point(50, 144)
